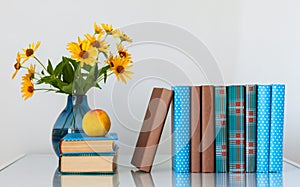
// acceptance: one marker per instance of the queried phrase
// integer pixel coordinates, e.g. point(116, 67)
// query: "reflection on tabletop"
point(142, 179)
point(109, 180)
point(227, 179)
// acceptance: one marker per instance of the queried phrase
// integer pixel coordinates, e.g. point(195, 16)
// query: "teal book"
point(181, 129)
point(251, 105)
point(81, 143)
point(220, 128)
point(236, 128)
point(276, 129)
point(88, 163)
point(263, 127)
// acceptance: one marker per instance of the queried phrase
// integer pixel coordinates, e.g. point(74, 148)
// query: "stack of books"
point(81, 154)
point(228, 128)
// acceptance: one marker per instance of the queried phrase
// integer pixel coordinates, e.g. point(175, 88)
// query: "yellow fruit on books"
point(96, 123)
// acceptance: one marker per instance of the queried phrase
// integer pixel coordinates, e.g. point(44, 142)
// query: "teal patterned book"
point(181, 129)
point(220, 128)
point(84, 137)
point(251, 105)
point(276, 129)
point(263, 127)
point(236, 129)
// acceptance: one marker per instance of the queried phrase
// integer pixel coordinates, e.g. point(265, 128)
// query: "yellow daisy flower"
point(123, 53)
point(27, 89)
point(108, 28)
point(17, 65)
point(109, 60)
point(31, 72)
point(96, 42)
point(123, 37)
point(98, 29)
point(29, 52)
point(83, 52)
point(120, 68)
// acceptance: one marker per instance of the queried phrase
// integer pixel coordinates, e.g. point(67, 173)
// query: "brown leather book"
point(152, 128)
point(195, 129)
point(207, 129)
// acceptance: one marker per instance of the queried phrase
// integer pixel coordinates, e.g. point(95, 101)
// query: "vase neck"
point(76, 100)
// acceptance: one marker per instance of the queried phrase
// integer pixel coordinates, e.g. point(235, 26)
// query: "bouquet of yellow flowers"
point(92, 60)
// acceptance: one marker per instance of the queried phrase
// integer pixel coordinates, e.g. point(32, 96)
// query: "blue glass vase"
point(70, 119)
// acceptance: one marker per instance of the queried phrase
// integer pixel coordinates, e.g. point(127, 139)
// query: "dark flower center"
point(17, 66)
point(84, 54)
point(96, 44)
point(30, 89)
point(122, 54)
point(29, 52)
point(120, 69)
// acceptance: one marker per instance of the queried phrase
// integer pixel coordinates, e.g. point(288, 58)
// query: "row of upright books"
point(82, 154)
point(228, 128)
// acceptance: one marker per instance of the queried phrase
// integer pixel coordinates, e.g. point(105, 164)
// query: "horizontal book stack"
point(228, 128)
point(81, 154)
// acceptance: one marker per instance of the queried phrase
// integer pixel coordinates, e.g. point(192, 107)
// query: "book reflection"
point(227, 179)
point(142, 179)
point(77, 180)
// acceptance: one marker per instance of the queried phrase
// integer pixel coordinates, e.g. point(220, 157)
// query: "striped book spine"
point(181, 129)
point(263, 127)
point(251, 104)
point(276, 131)
point(220, 128)
point(236, 130)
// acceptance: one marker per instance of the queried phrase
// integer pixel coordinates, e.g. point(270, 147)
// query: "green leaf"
point(103, 70)
point(68, 88)
point(74, 63)
point(68, 73)
point(105, 76)
point(91, 78)
point(59, 68)
point(98, 86)
point(49, 67)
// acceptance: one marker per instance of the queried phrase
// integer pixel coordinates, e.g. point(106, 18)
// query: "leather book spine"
point(152, 128)
point(207, 130)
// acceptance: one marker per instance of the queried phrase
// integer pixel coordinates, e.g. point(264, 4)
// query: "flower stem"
point(45, 89)
point(40, 63)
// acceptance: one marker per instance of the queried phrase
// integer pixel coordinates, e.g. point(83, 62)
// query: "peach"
point(96, 123)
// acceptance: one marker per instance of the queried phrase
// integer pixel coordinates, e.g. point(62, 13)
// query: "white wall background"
point(252, 41)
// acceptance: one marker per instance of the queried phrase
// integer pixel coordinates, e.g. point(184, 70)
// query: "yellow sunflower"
point(31, 72)
point(123, 53)
point(98, 29)
point(108, 28)
point(27, 89)
point(120, 68)
point(96, 42)
point(17, 65)
point(123, 37)
point(29, 52)
point(83, 52)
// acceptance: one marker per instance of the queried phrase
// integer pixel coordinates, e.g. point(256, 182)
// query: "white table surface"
point(40, 171)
